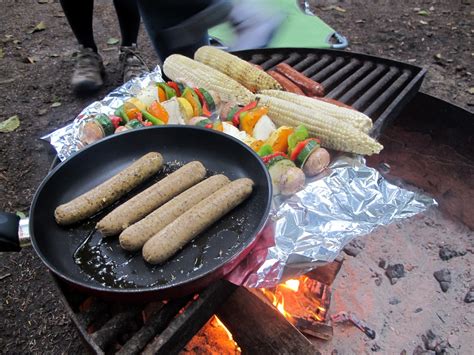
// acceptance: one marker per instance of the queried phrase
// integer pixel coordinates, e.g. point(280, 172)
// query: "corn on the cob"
point(182, 69)
point(245, 73)
point(355, 118)
point(334, 134)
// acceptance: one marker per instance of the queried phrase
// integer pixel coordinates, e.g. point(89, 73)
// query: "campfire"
point(304, 302)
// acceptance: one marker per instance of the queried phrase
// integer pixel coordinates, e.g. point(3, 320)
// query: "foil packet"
point(305, 230)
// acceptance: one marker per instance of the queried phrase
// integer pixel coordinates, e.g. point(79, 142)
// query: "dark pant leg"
point(79, 17)
point(129, 20)
point(181, 26)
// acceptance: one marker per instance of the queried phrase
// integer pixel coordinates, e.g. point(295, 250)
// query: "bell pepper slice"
point(209, 99)
point(249, 119)
point(175, 87)
point(158, 111)
point(299, 135)
point(120, 112)
point(193, 99)
point(265, 150)
point(131, 111)
point(236, 118)
point(268, 158)
point(161, 94)
point(168, 91)
point(205, 110)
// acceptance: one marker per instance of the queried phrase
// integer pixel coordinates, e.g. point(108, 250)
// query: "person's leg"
point(129, 20)
point(181, 26)
point(79, 17)
point(131, 63)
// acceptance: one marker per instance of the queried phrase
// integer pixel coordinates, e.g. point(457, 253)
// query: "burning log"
point(257, 328)
point(313, 328)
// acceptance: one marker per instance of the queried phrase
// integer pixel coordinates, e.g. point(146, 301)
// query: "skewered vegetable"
point(240, 70)
point(286, 177)
point(355, 118)
point(335, 134)
point(193, 73)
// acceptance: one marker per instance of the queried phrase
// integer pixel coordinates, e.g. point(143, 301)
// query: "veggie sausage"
point(287, 84)
point(334, 102)
point(309, 86)
point(137, 234)
point(194, 221)
point(153, 197)
point(109, 191)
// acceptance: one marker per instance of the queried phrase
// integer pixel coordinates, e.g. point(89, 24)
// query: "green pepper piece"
point(265, 150)
point(169, 91)
point(300, 134)
point(120, 112)
point(149, 117)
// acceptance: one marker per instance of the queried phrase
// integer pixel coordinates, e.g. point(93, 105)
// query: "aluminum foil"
point(308, 229)
point(66, 140)
point(313, 226)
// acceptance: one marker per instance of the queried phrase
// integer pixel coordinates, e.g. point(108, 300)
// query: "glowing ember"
point(302, 298)
point(217, 322)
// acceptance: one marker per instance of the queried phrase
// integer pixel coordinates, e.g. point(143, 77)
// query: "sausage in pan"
point(287, 84)
point(150, 199)
point(109, 191)
point(137, 234)
point(175, 235)
point(309, 86)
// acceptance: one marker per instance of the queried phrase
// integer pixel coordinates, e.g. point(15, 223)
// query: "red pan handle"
point(13, 232)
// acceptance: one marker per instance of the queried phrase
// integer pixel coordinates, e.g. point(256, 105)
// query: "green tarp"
point(297, 30)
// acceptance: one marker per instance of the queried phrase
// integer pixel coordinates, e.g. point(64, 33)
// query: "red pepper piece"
point(267, 158)
point(205, 109)
point(147, 124)
point(116, 120)
point(300, 146)
point(174, 86)
point(209, 125)
point(236, 118)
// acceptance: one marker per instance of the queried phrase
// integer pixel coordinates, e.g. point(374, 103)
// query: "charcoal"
point(382, 263)
point(446, 252)
point(469, 296)
point(394, 301)
point(394, 272)
point(444, 278)
point(354, 247)
point(434, 342)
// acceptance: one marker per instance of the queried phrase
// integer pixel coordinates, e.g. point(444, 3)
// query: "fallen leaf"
point(59, 14)
point(42, 111)
point(334, 7)
point(432, 8)
point(31, 60)
point(471, 90)
point(360, 21)
point(10, 124)
point(20, 214)
point(39, 27)
point(56, 104)
point(7, 81)
point(1, 53)
point(423, 13)
point(416, 9)
point(438, 56)
point(111, 41)
point(423, 22)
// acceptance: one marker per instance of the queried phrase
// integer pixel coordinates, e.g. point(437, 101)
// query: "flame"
point(219, 323)
point(302, 301)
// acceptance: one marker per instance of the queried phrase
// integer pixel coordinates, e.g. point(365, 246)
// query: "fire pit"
point(377, 87)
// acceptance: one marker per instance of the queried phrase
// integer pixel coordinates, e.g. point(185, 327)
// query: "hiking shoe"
point(88, 73)
point(131, 63)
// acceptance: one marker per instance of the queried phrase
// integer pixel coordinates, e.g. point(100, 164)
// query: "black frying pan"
point(79, 254)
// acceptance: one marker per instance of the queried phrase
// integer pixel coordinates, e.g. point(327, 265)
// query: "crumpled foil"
point(311, 227)
point(66, 140)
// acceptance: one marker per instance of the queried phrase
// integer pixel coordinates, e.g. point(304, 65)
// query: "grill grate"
point(114, 327)
point(378, 87)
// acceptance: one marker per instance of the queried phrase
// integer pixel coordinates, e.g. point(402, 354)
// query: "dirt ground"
point(34, 73)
